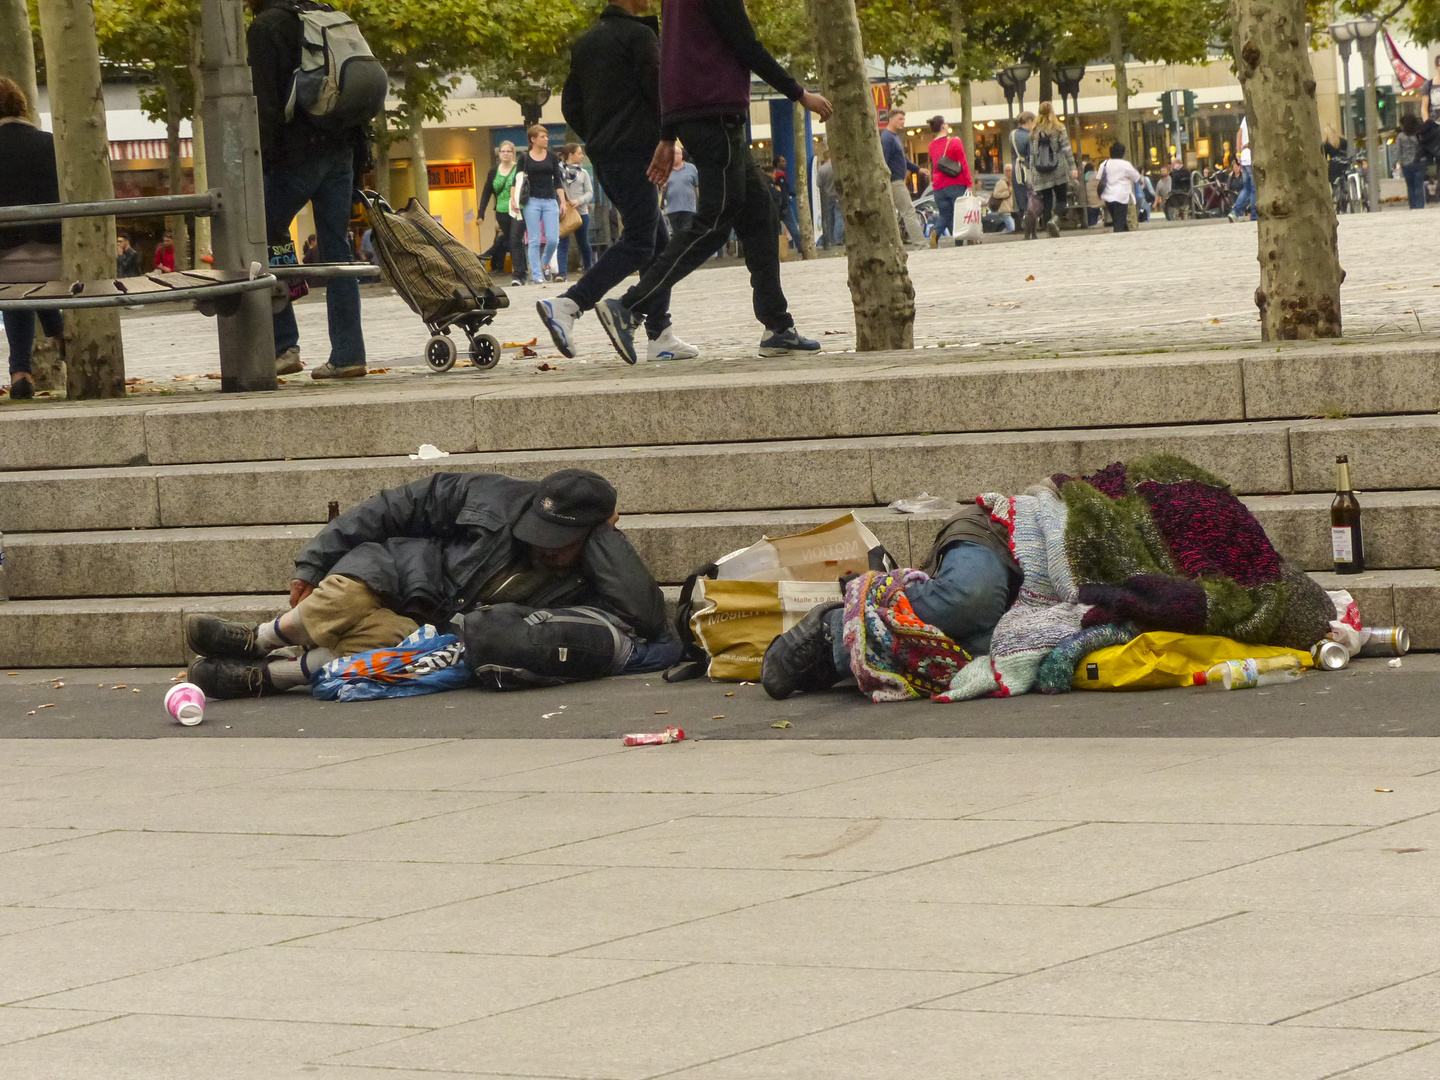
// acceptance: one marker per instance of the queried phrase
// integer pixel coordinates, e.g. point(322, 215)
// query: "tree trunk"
point(418, 164)
point(802, 183)
point(197, 144)
point(175, 224)
point(1047, 85)
point(1118, 18)
point(962, 73)
point(880, 288)
point(95, 364)
point(1300, 275)
point(17, 52)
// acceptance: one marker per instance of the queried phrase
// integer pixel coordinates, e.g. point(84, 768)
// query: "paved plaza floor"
point(1189, 284)
point(1155, 909)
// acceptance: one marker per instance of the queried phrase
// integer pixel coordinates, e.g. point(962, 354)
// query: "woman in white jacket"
point(1116, 180)
point(580, 190)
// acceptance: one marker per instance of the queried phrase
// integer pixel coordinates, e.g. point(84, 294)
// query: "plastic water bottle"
point(1251, 672)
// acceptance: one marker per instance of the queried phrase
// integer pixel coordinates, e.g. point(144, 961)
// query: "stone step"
point(1402, 531)
point(1274, 457)
point(933, 390)
point(146, 632)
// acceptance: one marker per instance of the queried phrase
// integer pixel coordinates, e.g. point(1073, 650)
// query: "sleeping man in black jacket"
point(504, 555)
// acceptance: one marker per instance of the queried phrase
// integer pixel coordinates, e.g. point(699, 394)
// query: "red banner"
point(1409, 78)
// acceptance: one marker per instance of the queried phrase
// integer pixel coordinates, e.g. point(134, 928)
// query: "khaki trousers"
point(346, 617)
point(914, 233)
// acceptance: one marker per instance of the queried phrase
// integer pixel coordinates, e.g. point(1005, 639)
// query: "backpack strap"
point(693, 659)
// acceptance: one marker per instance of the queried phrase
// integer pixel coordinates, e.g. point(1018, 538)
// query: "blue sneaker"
point(559, 317)
point(620, 325)
point(787, 342)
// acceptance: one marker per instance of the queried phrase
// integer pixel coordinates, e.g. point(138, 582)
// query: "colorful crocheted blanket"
point(1152, 544)
point(894, 654)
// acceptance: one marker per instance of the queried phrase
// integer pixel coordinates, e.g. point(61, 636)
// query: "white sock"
point(287, 674)
point(267, 636)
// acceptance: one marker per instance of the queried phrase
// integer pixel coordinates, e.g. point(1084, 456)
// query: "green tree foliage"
point(151, 39)
point(526, 53)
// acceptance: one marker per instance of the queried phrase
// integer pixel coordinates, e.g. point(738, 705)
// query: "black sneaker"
point(225, 679)
point(620, 325)
point(786, 343)
point(803, 657)
point(205, 635)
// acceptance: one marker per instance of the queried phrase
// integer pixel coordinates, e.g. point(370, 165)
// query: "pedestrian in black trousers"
point(708, 50)
point(612, 101)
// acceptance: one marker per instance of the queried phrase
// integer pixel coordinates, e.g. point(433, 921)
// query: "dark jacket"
point(975, 525)
point(27, 175)
point(273, 42)
point(612, 97)
point(429, 547)
point(708, 49)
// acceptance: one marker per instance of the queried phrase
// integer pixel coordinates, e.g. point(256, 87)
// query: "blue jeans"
point(655, 655)
point(20, 332)
point(1415, 184)
point(832, 223)
point(1245, 201)
point(327, 182)
point(790, 219)
point(945, 206)
point(581, 236)
point(643, 236)
point(538, 213)
point(965, 599)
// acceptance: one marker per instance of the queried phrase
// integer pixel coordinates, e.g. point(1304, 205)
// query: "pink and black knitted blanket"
point(1152, 544)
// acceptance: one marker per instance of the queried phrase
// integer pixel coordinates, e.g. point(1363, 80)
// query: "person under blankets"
point(1152, 544)
point(969, 581)
point(497, 551)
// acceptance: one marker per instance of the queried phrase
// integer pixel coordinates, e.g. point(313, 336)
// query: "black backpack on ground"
point(513, 647)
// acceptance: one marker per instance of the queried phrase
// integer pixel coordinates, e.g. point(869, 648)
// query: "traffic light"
point(1385, 104)
point(1357, 112)
point(1190, 107)
point(1167, 108)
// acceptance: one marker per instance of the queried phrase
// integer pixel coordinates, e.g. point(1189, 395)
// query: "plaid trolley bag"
point(442, 280)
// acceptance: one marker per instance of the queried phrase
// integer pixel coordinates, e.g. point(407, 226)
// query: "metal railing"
point(204, 204)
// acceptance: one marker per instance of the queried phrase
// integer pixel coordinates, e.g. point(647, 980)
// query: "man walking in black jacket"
point(474, 545)
point(612, 101)
point(304, 164)
point(708, 50)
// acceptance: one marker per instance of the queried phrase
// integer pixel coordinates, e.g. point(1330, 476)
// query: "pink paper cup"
point(186, 703)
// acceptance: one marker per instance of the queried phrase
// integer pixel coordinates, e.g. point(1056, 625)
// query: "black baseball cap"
point(567, 506)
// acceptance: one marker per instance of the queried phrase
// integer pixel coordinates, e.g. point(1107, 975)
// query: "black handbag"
point(948, 165)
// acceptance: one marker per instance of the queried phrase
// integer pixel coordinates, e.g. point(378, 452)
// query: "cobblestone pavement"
point(1169, 285)
point(403, 909)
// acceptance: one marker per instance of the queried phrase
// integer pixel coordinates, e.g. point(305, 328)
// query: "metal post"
point(232, 152)
point(1345, 132)
point(1372, 121)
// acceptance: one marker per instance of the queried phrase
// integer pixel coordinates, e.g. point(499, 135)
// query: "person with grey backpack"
point(317, 85)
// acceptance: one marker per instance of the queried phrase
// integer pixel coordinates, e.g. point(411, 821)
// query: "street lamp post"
point(1365, 31)
point(1343, 35)
point(1012, 80)
point(1067, 79)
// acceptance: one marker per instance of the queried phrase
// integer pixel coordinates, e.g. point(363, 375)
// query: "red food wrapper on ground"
point(657, 738)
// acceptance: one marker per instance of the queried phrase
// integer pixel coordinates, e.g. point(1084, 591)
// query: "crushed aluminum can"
point(1331, 656)
point(1385, 641)
point(658, 738)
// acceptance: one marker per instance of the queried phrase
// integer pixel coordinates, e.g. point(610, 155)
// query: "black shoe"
point(802, 658)
point(205, 635)
point(22, 386)
point(224, 679)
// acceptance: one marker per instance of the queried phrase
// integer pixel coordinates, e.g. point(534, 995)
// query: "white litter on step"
point(429, 453)
point(1395, 662)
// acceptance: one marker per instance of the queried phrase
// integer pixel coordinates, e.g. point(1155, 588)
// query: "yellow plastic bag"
point(1161, 659)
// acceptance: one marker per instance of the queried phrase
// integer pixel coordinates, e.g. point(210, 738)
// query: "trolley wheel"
point(440, 353)
point(484, 351)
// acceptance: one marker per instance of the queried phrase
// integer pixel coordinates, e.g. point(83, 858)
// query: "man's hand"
point(820, 106)
point(299, 590)
point(661, 163)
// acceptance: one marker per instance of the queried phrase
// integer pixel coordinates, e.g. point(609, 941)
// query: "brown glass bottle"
point(334, 510)
point(1346, 541)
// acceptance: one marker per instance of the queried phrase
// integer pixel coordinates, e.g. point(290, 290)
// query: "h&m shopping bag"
point(969, 215)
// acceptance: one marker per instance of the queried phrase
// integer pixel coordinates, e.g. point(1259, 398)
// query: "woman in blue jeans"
point(544, 202)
